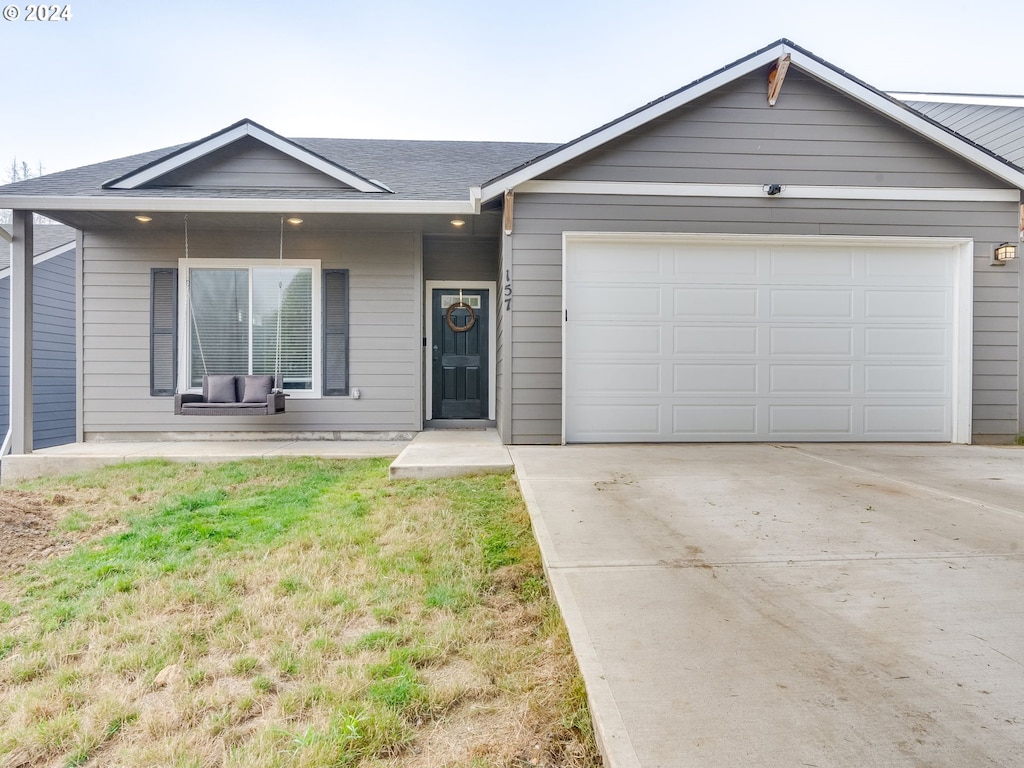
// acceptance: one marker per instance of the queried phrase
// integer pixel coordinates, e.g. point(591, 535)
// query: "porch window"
point(259, 317)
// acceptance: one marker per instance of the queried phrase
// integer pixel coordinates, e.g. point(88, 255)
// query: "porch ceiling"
point(486, 223)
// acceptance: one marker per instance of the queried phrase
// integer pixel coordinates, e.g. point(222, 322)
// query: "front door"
point(460, 383)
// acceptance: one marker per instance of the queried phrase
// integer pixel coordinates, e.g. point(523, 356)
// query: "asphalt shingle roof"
point(413, 170)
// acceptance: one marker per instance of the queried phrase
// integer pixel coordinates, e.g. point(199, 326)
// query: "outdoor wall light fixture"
point(772, 189)
point(1004, 253)
point(294, 221)
point(144, 219)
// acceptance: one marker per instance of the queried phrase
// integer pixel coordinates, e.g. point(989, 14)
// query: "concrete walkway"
point(452, 453)
point(430, 454)
point(81, 457)
point(781, 606)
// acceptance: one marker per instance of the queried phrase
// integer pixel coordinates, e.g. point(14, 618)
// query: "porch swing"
point(226, 394)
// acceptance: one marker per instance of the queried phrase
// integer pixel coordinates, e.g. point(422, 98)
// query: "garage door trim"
point(962, 250)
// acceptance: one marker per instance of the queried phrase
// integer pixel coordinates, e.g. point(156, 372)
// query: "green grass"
point(294, 612)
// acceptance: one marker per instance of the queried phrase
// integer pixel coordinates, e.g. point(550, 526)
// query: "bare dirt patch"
point(32, 525)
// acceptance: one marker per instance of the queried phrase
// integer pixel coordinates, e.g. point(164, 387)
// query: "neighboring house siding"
point(385, 322)
point(53, 353)
point(813, 136)
point(246, 164)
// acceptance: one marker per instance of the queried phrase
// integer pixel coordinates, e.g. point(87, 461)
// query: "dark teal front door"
point(460, 384)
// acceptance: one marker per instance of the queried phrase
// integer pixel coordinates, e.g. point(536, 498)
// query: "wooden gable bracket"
point(775, 77)
point(510, 197)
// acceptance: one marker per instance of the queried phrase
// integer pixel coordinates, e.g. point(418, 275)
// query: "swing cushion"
point(255, 389)
point(220, 388)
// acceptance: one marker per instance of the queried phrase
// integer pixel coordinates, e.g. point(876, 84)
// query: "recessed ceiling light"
point(144, 219)
point(294, 220)
point(458, 222)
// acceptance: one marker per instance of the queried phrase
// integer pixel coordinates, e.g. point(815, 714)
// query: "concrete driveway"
point(791, 605)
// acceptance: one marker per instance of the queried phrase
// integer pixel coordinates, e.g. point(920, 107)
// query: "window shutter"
point(163, 332)
point(335, 332)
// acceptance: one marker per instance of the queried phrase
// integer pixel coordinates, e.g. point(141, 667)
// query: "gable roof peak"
point(183, 156)
point(812, 65)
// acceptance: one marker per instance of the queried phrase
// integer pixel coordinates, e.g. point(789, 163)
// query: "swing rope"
point(188, 300)
point(280, 305)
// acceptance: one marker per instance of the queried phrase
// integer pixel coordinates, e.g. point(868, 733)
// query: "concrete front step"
point(452, 453)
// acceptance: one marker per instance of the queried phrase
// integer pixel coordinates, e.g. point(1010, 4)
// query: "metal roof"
point(997, 127)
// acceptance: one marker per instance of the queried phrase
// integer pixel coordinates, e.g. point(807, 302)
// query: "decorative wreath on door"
point(451, 323)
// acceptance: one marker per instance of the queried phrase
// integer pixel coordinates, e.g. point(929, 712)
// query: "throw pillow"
point(220, 388)
point(255, 389)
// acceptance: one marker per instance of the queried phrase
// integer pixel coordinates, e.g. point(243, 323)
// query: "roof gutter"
point(225, 205)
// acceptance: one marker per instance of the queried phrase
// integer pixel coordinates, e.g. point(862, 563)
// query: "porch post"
point(21, 333)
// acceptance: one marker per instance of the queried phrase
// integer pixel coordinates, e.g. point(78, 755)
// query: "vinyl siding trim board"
point(794, 191)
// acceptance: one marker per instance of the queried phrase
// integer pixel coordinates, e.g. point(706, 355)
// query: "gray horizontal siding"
point(460, 259)
point(245, 164)
point(814, 135)
point(53, 352)
point(537, 274)
point(385, 358)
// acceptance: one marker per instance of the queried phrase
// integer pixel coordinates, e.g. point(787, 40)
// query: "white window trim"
point(184, 316)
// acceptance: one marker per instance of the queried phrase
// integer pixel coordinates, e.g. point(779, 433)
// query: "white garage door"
point(755, 340)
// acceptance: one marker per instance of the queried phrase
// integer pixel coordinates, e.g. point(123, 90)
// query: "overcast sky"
point(126, 76)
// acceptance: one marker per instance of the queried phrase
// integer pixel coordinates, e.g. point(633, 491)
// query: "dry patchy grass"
point(281, 613)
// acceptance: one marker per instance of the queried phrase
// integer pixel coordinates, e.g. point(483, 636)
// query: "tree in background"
point(19, 170)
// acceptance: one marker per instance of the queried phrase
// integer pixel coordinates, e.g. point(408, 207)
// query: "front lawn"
point(287, 612)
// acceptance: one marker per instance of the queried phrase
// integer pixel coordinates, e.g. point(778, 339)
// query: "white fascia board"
point(5, 235)
point(636, 120)
point(807, 192)
point(227, 205)
point(214, 143)
point(973, 99)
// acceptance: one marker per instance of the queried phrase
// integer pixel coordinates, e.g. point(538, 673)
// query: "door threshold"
point(460, 424)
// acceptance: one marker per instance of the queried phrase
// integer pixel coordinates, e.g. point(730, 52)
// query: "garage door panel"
point(808, 419)
point(899, 266)
point(712, 379)
point(760, 341)
point(906, 342)
point(809, 304)
point(921, 421)
point(928, 380)
point(621, 421)
point(721, 264)
point(694, 422)
point(714, 302)
point(617, 379)
point(920, 305)
point(618, 339)
point(631, 302)
point(810, 379)
point(811, 264)
point(714, 340)
point(806, 341)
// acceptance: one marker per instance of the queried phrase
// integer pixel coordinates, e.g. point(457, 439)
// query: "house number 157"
point(508, 289)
